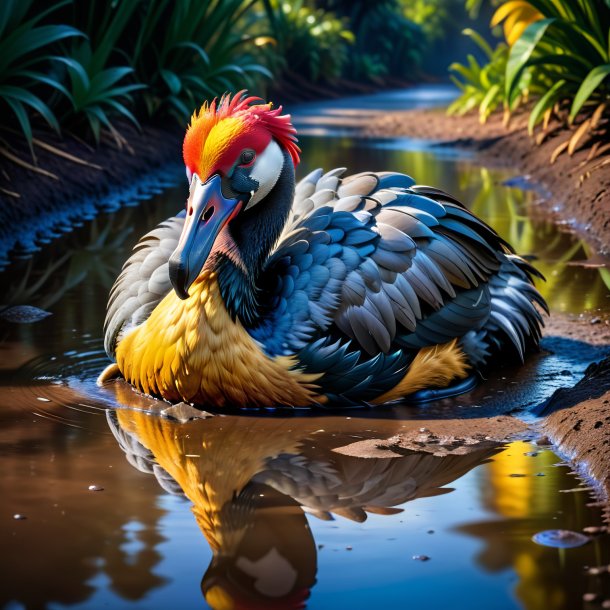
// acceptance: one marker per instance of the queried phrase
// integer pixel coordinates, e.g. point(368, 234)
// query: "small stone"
point(422, 430)
point(430, 532)
point(561, 539)
point(183, 412)
point(24, 314)
point(348, 548)
point(540, 474)
point(516, 475)
point(95, 488)
point(590, 597)
point(421, 557)
point(543, 440)
point(19, 517)
point(606, 603)
point(595, 320)
point(596, 530)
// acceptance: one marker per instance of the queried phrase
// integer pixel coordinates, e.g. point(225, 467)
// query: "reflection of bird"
point(251, 480)
point(364, 288)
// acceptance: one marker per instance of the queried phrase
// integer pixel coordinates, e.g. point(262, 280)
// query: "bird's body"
point(342, 290)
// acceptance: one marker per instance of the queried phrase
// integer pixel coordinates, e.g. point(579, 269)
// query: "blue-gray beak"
point(207, 212)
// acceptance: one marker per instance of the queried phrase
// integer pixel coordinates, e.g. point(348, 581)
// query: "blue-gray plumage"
point(352, 277)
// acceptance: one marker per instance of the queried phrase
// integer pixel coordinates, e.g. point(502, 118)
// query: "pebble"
point(561, 539)
point(606, 603)
point(19, 517)
point(595, 530)
point(597, 570)
point(430, 531)
point(543, 440)
point(421, 557)
point(348, 548)
point(516, 474)
point(95, 488)
point(590, 597)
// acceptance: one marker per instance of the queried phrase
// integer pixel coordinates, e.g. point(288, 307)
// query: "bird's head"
point(234, 153)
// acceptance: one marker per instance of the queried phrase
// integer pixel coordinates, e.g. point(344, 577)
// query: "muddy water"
point(267, 511)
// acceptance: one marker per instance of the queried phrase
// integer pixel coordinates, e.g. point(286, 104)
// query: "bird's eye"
point(246, 157)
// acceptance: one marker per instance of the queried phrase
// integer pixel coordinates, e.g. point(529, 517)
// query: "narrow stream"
point(330, 511)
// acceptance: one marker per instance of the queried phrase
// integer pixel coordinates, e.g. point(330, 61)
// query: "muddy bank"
point(38, 205)
point(574, 191)
point(578, 420)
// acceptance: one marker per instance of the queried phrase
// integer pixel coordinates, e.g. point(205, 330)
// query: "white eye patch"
point(189, 175)
point(266, 171)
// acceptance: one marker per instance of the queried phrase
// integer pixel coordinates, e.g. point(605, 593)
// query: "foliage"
point(121, 60)
point(516, 15)
point(193, 50)
point(99, 88)
point(430, 15)
point(311, 42)
point(559, 58)
point(26, 56)
point(569, 44)
point(386, 42)
point(481, 86)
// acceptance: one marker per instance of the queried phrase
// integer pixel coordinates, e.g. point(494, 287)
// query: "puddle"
point(245, 511)
point(266, 512)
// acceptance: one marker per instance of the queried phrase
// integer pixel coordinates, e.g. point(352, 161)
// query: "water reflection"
point(251, 481)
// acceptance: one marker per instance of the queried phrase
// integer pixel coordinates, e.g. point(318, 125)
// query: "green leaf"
point(76, 69)
point(22, 117)
point(520, 54)
point(490, 101)
point(29, 99)
point(544, 103)
point(479, 40)
point(591, 82)
point(172, 81)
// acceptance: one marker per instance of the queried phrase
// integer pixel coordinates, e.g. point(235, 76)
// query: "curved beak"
point(207, 212)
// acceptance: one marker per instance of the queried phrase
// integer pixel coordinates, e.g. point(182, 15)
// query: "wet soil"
point(577, 192)
point(38, 205)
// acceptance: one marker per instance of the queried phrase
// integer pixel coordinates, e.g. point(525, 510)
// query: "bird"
point(337, 290)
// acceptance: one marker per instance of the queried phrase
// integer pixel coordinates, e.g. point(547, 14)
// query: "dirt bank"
point(37, 205)
point(576, 192)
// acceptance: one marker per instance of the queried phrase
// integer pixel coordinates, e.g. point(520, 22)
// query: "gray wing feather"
point(143, 282)
point(415, 264)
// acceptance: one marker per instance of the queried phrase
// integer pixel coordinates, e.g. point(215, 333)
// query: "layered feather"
point(369, 270)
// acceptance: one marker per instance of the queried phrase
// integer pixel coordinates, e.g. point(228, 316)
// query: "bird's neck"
point(252, 235)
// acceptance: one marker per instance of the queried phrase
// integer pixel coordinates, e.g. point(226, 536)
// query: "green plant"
point(481, 86)
point(311, 43)
point(569, 51)
point(193, 50)
point(100, 89)
point(28, 48)
point(392, 43)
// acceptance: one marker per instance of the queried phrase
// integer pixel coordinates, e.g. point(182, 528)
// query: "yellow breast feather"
point(192, 350)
